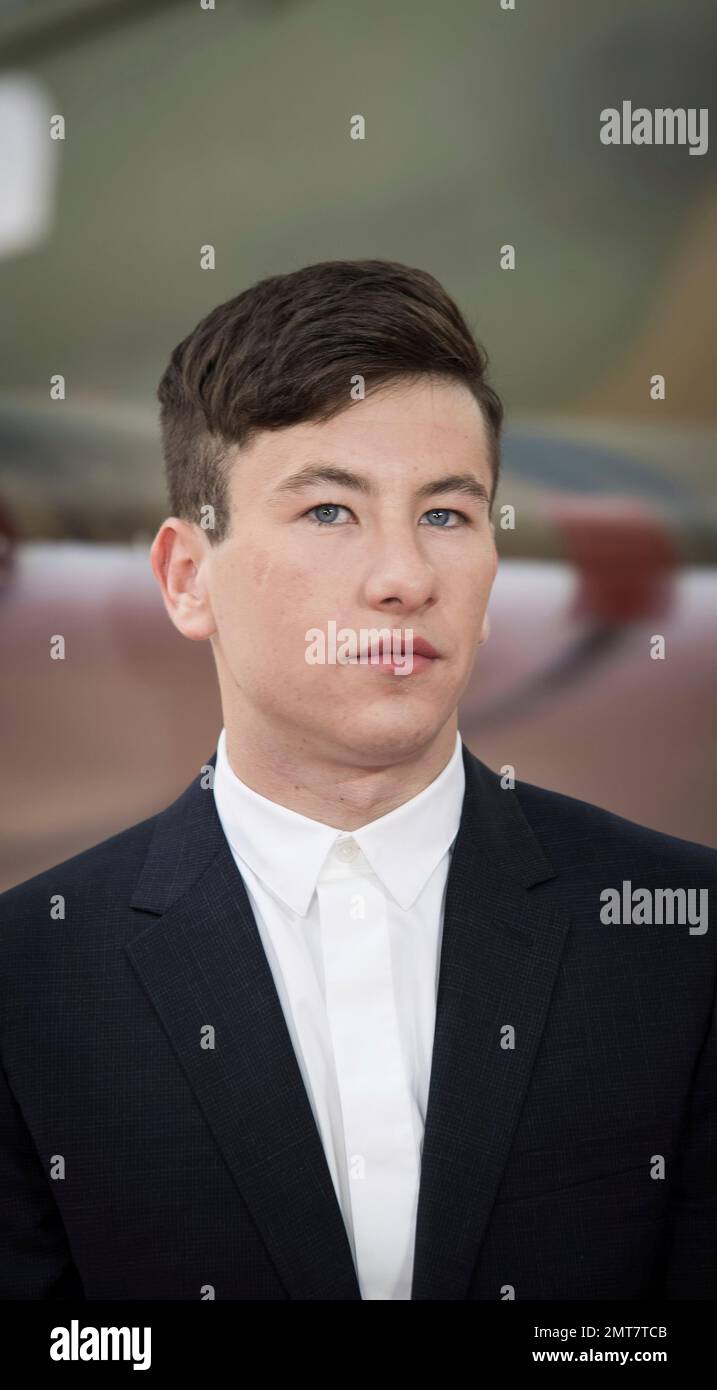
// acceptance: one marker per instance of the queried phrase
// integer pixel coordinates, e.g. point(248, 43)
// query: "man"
point(351, 1018)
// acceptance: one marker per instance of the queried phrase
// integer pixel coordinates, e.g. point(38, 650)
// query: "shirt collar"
point(287, 850)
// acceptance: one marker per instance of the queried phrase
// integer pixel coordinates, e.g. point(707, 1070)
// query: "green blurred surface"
point(187, 127)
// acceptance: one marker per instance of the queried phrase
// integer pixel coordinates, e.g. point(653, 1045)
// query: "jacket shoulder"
point(575, 832)
point(105, 866)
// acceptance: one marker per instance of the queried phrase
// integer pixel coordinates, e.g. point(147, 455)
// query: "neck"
point(327, 785)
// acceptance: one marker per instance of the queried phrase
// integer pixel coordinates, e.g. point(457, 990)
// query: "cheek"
point(467, 594)
point(287, 589)
point(255, 582)
point(264, 602)
point(259, 569)
point(488, 577)
point(263, 571)
point(471, 580)
point(487, 570)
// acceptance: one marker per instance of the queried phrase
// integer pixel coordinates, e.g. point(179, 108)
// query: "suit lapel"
point(202, 963)
point(502, 940)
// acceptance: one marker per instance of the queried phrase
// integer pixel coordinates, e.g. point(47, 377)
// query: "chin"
point(388, 736)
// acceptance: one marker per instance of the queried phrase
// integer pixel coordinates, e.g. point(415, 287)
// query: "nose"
point(399, 575)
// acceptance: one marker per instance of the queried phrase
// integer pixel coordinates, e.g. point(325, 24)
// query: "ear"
point(485, 630)
point(177, 557)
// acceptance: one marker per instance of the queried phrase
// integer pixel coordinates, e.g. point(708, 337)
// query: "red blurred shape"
point(624, 555)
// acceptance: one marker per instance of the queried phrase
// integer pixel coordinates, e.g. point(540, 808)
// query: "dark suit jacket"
point(192, 1172)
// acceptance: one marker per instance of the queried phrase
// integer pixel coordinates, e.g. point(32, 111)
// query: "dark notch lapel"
point(202, 962)
point(502, 941)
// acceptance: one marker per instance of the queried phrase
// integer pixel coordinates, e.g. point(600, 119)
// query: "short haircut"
point(285, 350)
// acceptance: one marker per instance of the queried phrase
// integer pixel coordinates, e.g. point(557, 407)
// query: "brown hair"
point(284, 351)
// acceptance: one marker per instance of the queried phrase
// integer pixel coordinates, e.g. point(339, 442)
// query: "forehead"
point(398, 431)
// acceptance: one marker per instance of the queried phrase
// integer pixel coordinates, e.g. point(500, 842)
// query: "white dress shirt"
point(351, 924)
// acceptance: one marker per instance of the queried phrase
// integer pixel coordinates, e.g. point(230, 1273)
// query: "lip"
point(392, 657)
point(419, 662)
point(420, 646)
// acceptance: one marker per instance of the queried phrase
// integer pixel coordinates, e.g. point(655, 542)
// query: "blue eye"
point(322, 519)
point(439, 516)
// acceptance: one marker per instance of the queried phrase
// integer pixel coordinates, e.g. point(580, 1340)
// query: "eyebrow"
point(331, 473)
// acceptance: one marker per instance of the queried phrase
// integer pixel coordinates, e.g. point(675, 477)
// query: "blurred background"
point(187, 125)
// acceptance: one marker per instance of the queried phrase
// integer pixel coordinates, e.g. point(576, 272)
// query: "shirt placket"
point(381, 1153)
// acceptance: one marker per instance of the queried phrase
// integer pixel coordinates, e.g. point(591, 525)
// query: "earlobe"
point(485, 630)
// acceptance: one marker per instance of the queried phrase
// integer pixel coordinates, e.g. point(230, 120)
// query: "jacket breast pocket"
point(598, 1164)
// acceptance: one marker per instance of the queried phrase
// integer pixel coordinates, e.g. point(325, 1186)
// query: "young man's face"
point(394, 544)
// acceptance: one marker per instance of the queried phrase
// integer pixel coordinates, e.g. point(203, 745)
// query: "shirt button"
point(347, 850)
